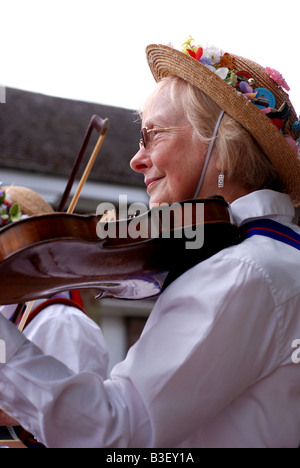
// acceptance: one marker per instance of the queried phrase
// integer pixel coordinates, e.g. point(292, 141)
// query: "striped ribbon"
point(270, 228)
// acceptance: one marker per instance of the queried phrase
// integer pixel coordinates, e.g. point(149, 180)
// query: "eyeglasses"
point(145, 134)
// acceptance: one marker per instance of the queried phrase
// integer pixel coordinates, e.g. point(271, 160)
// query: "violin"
point(133, 258)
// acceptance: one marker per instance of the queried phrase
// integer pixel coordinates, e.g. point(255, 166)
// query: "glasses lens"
point(144, 137)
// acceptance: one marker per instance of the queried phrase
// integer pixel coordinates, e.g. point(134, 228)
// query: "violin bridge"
point(109, 216)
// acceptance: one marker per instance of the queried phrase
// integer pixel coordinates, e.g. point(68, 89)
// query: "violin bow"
point(101, 126)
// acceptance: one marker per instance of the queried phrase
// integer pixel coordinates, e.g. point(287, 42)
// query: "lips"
point(150, 182)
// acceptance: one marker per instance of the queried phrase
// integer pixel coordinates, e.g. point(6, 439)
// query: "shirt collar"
point(263, 204)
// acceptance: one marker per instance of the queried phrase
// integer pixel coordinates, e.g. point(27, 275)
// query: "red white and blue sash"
point(273, 229)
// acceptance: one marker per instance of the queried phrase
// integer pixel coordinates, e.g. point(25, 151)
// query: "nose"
point(141, 161)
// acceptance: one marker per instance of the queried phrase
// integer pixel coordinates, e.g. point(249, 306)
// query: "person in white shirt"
point(58, 326)
point(217, 364)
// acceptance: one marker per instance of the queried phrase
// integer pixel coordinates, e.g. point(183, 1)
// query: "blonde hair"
point(241, 157)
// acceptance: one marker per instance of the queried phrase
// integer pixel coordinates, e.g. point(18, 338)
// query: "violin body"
point(48, 254)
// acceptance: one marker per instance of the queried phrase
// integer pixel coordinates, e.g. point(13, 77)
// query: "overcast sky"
point(94, 50)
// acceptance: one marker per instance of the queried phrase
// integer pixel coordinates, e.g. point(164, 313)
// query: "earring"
point(221, 180)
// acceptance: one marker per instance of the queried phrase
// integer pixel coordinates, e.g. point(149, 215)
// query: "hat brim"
point(30, 202)
point(165, 61)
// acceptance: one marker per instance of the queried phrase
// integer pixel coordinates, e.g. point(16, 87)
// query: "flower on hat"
point(221, 72)
point(213, 54)
point(213, 58)
point(188, 43)
point(278, 78)
point(196, 54)
point(9, 212)
point(189, 48)
point(224, 65)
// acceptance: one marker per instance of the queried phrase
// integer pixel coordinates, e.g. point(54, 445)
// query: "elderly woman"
point(216, 365)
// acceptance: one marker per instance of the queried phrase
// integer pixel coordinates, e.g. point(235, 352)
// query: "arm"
point(197, 353)
point(63, 409)
point(70, 336)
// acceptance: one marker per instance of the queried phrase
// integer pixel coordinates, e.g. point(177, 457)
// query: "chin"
point(159, 200)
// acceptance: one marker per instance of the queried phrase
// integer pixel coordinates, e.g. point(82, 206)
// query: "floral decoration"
point(223, 65)
point(211, 57)
point(278, 78)
point(9, 212)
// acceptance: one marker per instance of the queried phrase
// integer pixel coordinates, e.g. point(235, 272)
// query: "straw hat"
point(30, 202)
point(166, 61)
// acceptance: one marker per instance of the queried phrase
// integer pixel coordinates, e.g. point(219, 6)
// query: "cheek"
point(187, 165)
point(181, 164)
point(186, 173)
point(182, 181)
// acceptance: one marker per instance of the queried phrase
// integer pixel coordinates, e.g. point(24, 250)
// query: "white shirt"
point(213, 367)
point(69, 335)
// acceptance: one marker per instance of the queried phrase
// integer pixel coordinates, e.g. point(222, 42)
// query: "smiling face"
point(173, 160)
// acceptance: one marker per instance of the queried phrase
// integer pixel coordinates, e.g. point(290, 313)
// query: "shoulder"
point(269, 260)
point(58, 315)
point(228, 284)
point(238, 264)
point(238, 274)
